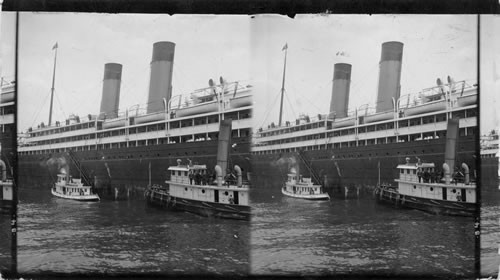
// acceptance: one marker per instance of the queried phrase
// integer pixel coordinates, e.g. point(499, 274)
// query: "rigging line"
point(39, 110)
point(291, 107)
point(301, 97)
point(269, 111)
point(60, 106)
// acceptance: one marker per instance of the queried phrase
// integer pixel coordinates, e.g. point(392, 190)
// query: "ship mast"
point(285, 48)
point(53, 82)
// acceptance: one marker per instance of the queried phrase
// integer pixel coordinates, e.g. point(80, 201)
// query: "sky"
point(243, 48)
point(434, 46)
point(206, 47)
point(7, 45)
point(490, 73)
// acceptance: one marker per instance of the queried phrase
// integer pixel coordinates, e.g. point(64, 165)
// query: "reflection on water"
point(58, 235)
point(5, 243)
point(293, 236)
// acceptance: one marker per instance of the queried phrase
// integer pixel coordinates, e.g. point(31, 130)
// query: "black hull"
point(356, 167)
point(438, 207)
point(6, 206)
point(129, 167)
point(206, 209)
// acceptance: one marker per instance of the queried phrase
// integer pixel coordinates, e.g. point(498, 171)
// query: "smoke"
point(58, 163)
point(287, 162)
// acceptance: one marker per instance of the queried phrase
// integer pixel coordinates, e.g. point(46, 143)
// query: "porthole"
point(414, 186)
point(202, 191)
point(185, 189)
point(454, 191)
point(226, 193)
point(432, 189)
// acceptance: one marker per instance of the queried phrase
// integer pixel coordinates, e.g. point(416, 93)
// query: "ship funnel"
point(218, 172)
point(447, 174)
point(389, 80)
point(224, 144)
point(465, 167)
point(440, 85)
point(111, 90)
point(237, 169)
point(340, 90)
point(4, 170)
point(160, 83)
point(451, 143)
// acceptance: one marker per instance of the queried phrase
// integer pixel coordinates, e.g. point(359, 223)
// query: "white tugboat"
point(299, 187)
point(421, 186)
point(6, 190)
point(72, 188)
point(191, 189)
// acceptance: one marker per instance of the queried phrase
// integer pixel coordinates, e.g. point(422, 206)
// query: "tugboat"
point(72, 188)
point(191, 188)
point(421, 187)
point(6, 190)
point(303, 188)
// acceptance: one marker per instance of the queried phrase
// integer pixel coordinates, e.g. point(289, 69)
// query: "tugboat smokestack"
point(451, 144)
point(224, 144)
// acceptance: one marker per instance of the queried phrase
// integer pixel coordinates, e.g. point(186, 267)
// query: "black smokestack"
point(111, 90)
point(340, 90)
point(389, 81)
point(160, 83)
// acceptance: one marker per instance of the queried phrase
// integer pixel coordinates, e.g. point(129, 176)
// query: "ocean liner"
point(490, 171)
point(7, 133)
point(132, 148)
point(347, 149)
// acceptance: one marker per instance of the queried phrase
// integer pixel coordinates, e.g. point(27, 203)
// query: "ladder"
point(309, 167)
point(83, 171)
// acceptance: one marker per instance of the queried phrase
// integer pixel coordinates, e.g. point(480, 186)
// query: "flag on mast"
point(55, 46)
point(285, 47)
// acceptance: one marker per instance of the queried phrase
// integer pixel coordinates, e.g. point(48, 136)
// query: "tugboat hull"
point(440, 207)
point(92, 197)
point(203, 208)
point(322, 196)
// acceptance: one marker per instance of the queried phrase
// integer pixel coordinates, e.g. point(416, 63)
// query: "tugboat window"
point(454, 191)
point(432, 189)
point(185, 189)
point(202, 191)
point(414, 186)
point(226, 193)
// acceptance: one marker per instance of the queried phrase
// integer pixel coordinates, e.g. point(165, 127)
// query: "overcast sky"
point(434, 46)
point(7, 46)
point(490, 73)
point(206, 47)
point(238, 48)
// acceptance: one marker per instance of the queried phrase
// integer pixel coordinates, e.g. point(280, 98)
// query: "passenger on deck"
point(190, 177)
point(197, 178)
point(419, 174)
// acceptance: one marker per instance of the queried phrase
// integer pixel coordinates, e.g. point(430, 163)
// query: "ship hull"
point(6, 206)
point(203, 208)
point(356, 167)
point(127, 166)
point(434, 206)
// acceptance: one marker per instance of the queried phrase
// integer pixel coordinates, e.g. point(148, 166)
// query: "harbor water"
point(355, 236)
point(124, 237)
point(5, 243)
point(490, 224)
